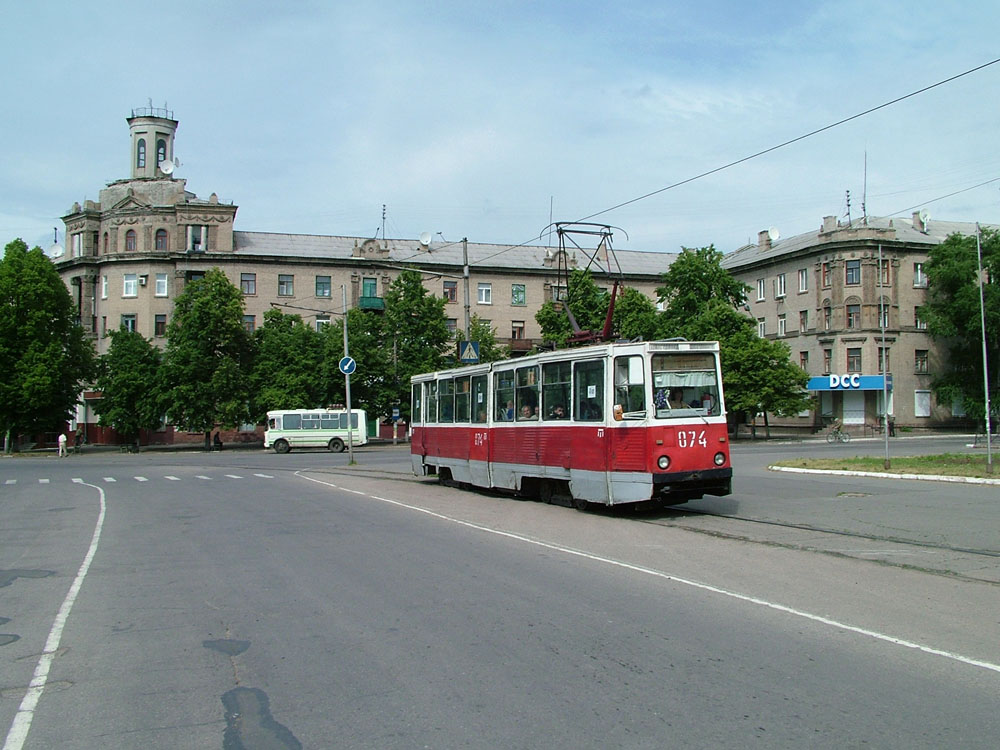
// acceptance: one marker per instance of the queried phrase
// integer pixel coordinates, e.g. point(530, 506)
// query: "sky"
point(489, 120)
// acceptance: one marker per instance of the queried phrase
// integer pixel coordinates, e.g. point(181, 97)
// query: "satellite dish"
point(56, 251)
point(167, 166)
point(925, 216)
point(773, 233)
point(425, 238)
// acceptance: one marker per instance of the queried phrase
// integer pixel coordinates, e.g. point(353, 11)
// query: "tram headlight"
point(663, 462)
point(720, 458)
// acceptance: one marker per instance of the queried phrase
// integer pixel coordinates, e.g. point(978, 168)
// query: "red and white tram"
point(607, 424)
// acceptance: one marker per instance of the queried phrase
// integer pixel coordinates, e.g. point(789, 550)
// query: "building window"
point(883, 313)
point(517, 329)
point(919, 277)
point(921, 403)
point(485, 294)
point(760, 290)
point(827, 361)
point(369, 287)
point(804, 360)
point(781, 325)
point(161, 285)
point(104, 287)
point(761, 327)
point(884, 361)
point(77, 245)
point(779, 286)
point(852, 272)
point(161, 151)
point(854, 359)
point(197, 238)
point(918, 321)
point(452, 324)
point(321, 322)
point(518, 296)
point(248, 283)
point(323, 286)
point(160, 325)
point(130, 240)
point(140, 154)
point(883, 272)
point(106, 241)
point(131, 286)
point(825, 274)
point(920, 362)
point(450, 291)
point(803, 320)
point(249, 323)
point(286, 285)
point(853, 316)
point(104, 325)
point(161, 239)
point(128, 322)
point(803, 279)
point(827, 315)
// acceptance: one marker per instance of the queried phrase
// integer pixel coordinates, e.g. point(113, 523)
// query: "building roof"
point(444, 254)
point(912, 232)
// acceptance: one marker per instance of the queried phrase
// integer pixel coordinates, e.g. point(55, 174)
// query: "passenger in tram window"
point(507, 413)
point(676, 399)
point(558, 412)
point(527, 412)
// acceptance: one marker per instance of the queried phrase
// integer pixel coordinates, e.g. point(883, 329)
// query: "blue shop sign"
point(850, 382)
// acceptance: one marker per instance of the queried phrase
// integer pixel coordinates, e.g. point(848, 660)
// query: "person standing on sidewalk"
point(62, 444)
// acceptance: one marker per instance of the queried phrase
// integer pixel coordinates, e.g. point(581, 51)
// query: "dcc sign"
point(845, 381)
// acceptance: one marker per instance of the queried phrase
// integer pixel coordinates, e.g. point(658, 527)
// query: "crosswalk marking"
point(11, 481)
point(137, 478)
point(141, 479)
point(43, 481)
point(202, 476)
point(264, 476)
point(234, 476)
point(172, 479)
point(110, 479)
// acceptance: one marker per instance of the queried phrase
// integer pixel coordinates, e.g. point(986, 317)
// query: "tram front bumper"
point(681, 486)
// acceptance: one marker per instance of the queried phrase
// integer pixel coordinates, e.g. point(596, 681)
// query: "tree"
point(700, 304)
point(695, 279)
point(373, 383)
point(45, 356)
point(128, 378)
point(635, 316)
point(480, 330)
point(952, 314)
point(588, 303)
point(205, 365)
point(288, 357)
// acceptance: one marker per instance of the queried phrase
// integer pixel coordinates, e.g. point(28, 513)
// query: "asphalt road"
point(248, 600)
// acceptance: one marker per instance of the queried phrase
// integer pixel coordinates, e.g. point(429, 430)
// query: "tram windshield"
point(685, 384)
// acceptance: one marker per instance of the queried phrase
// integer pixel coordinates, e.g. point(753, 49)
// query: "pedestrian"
point(62, 444)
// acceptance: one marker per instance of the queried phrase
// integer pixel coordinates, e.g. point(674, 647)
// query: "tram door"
point(479, 448)
point(588, 449)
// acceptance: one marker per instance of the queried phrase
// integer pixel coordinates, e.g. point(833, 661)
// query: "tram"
point(606, 424)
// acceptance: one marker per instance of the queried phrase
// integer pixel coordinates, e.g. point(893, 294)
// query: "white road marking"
point(25, 713)
point(677, 579)
point(141, 479)
point(110, 479)
point(202, 476)
point(43, 481)
point(234, 476)
point(11, 481)
point(172, 479)
point(264, 476)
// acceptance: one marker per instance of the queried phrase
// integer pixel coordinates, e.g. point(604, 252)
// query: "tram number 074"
point(691, 438)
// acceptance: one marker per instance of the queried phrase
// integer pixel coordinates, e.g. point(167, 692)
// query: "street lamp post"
point(986, 367)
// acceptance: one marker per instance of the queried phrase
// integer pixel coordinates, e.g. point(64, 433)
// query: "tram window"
point(432, 401)
point(685, 384)
point(446, 400)
point(555, 390)
point(415, 404)
point(630, 388)
point(462, 400)
point(479, 398)
point(527, 392)
point(503, 392)
point(588, 391)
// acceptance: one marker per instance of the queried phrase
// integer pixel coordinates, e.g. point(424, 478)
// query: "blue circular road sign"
point(348, 365)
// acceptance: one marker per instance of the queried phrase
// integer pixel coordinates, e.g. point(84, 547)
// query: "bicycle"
point(837, 435)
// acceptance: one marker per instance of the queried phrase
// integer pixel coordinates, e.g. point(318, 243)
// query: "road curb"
point(886, 475)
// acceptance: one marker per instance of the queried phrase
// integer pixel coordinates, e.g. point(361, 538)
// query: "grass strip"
point(945, 464)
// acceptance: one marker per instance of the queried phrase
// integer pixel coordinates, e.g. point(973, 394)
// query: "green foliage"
point(952, 314)
point(128, 378)
point(206, 362)
point(635, 316)
point(588, 302)
point(695, 279)
point(288, 360)
point(373, 384)
point(45, 356)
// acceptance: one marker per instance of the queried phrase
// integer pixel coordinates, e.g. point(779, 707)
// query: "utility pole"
point(347, 386)
point(465, 275)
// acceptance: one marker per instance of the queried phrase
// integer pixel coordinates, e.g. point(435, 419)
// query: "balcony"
point(371, 303)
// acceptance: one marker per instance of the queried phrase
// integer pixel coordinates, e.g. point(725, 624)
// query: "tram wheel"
point(580, 504)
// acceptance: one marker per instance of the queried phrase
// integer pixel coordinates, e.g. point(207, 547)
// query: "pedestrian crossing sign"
point(468, 352)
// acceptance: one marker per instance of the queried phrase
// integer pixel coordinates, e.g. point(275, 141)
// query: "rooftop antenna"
point(848, 208)
point(864, 193)
point(383, 221)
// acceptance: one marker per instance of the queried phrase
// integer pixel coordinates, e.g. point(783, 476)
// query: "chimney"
point(918, 223)
point(829, 223)
point(764, 239)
